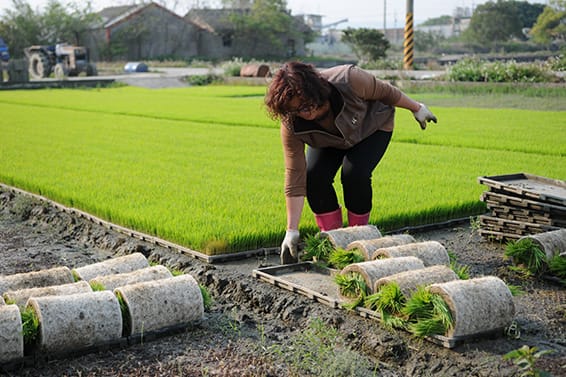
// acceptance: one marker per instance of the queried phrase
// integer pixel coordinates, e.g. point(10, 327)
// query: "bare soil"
point(257, 329)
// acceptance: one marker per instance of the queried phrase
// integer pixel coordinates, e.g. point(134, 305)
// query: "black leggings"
point(357, 164)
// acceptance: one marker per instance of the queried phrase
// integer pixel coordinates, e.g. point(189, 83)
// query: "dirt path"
point(256, 329)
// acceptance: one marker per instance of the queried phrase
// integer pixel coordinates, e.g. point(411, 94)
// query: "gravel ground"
point(256, 329)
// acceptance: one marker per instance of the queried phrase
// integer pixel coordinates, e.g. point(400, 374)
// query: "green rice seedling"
point(557, 266)
point(426, 327)
point(359, 301)
point(30, 325)
point(340, 258)
point(462, 271)
point(515, 290)
point(126, 319)
point(97, 286)
point(527, 253)
point(206, 298)
point(389, 301)
point(427, 314)
point(317, 249)
point(76, 276)
point(9, 301)
point(352, 285)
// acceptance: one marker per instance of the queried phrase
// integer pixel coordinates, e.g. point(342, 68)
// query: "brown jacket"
point(363, 105)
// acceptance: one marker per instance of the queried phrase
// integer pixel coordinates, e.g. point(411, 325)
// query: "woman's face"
point(308, 110)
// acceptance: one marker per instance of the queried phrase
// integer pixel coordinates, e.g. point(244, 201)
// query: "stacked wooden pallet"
point(522, 204)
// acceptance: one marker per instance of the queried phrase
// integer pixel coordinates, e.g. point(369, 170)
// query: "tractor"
point(61, 59)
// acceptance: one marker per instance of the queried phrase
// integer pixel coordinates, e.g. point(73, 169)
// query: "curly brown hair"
point(291, 80)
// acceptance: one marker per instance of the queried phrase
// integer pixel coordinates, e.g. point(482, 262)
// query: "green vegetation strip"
point(203, 167)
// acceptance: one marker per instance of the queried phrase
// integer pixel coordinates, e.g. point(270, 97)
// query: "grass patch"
point(319, 350)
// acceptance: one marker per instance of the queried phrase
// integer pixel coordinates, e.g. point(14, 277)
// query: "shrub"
point(199, 80)
point(473, 69)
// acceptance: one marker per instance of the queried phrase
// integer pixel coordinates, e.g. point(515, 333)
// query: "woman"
point(345, 116)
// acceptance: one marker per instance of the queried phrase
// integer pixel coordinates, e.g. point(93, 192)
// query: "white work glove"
point(424, 115)
point(289, 247)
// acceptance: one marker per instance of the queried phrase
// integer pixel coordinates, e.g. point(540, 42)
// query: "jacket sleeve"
point(368, 87)
point(295, 164)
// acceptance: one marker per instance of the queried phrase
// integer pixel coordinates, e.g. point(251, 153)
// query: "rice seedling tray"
point(529, 186)
point(316, 282)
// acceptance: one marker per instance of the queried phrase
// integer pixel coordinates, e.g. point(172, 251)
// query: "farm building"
point(151, 31)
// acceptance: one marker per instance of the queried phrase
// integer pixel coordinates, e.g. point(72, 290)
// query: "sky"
point(359, 13)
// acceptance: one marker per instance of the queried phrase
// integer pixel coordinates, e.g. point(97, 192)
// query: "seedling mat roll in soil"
point(317, 283)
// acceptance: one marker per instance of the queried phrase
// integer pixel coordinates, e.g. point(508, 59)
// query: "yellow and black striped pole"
point(408, 42)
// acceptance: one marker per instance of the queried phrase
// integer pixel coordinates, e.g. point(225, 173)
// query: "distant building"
point(144, 31)
point(150, 31)
point(218, 38)
point(454, 29)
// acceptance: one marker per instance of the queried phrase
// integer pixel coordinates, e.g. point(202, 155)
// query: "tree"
point(264, 22)
point(427, 41)
point(442, 20)
point(20, 27)
point(551, 25)
point(367, 44)
point(494, 22)
point(23, 26)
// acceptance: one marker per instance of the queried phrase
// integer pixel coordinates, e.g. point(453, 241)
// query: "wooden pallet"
point(528, 186)
point(522, 204)
point(316, 283)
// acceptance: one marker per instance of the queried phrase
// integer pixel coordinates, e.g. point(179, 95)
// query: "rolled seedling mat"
point(111, 282)
point(161, 304)
point(552, 243)
point(409, 281)
point(21, 296)
point(374, 270)
point(11, 337)
point(41, 278)
point(430, 252)
point(480, 305)
point(342, 237)
point(75, 322)
point(119, 265)
point(368, 247)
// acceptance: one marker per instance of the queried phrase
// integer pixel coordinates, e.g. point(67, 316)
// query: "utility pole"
point(384, 16)
point(408, 43)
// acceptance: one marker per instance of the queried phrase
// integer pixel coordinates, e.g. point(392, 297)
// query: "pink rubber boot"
point(355, 219)
point(329, 220)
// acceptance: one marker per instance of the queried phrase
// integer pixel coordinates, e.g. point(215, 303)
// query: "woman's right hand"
point(290, 247)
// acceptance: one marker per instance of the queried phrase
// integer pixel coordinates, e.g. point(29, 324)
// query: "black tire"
point(39, 66)
point(60, 71)
point(91, 70)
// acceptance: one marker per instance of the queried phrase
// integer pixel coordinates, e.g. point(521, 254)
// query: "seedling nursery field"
point(202, 166)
